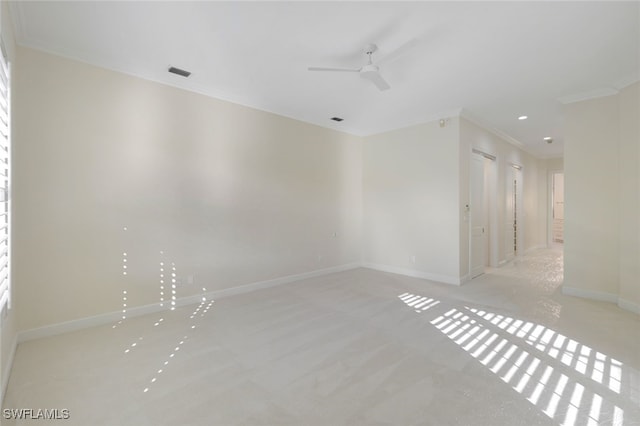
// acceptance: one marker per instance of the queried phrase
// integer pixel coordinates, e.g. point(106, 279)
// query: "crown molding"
point(626, 82)
point(485, 125)
point(600, 92)
point(442, 115)
point(585, 96)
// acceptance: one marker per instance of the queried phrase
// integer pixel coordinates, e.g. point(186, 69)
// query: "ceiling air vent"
point(178, 71)
point(337, 118)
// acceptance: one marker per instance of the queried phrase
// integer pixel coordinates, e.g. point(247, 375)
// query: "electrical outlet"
point(413, 259)
point(191, 279)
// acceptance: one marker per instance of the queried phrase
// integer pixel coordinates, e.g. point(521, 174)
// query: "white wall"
point(552, 164)
point(231, 195)
point(602, 198)
point(411, 201)
point(629, 108)
point(472, 137)
point(591, 248)
point(416, 184)
point(8, 324)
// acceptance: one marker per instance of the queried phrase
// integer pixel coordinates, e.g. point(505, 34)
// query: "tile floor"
point(359, 347)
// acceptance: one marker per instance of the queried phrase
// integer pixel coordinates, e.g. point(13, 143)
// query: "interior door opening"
point(557, 208)
point(483, 243)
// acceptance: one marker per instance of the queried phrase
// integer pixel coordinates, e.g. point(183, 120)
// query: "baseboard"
point(629, 305)
point(534, 248)
point(97, 320)
point(602, 296)
point(113, 317)
point(278, 281)
point(7, 371)
point(413, 273)
point(590, 294)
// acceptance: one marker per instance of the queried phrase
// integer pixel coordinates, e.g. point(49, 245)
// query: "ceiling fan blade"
point(411, 44)
point(376, 79)
point(332, 69)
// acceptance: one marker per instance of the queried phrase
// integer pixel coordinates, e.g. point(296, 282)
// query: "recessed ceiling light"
point(522, 117)
point(337, 118)
point(547, 138)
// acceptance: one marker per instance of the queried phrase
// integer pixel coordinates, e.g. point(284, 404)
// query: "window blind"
point(5, 140)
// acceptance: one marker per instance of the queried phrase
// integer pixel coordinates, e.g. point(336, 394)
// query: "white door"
point(477, 243)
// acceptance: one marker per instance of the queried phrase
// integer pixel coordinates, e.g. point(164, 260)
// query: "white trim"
point(585, 96)
point(534, 248)
point(276, 281)
point(113, 317)
point(189, 86)
point(602, 296)
point(7, 371)
point(550, 206)
point(629, 305)
point(492, 220)
point(590, 294)
point(413, 273)
point(499, 133)
point(94, 321)
point(597, 93)
point(233, 98)
point(626, 82)
point(5, 282)
point(469, 210)
point(442, 115)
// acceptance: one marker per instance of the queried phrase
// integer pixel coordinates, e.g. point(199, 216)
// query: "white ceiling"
point(494, 61)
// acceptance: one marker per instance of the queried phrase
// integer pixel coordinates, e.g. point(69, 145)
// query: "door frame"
point(550, 185)
point(518, 173)
point(490, 190)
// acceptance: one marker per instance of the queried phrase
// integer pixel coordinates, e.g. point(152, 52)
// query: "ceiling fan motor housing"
point(370, 48)
point(369, 69)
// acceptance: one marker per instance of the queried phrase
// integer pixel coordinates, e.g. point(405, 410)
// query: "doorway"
point(557, 208)
point(483, 244)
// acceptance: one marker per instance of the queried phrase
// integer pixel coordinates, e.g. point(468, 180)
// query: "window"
point(5, 142)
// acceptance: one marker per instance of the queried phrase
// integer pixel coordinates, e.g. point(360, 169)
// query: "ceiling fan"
point(371, 70)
